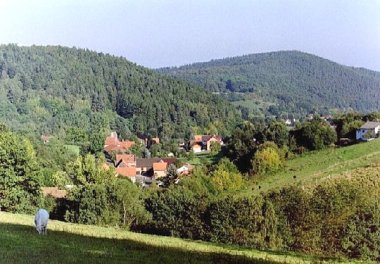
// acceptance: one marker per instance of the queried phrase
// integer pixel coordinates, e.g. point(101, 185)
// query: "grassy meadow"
point(317, 166)
point(73, 243)
point(203, 158)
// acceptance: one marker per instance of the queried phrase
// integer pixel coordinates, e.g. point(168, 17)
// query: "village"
point(146, 170)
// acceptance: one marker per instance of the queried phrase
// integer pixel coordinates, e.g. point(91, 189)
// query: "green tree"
point(100, 198)
point(267, 159)
point(129, 200)
point(241, 146)
point(215, 147)
point(315, 134)
point(96, 142)
point(277, 132)
point(19, 174)
point(226, 177)
point(87, 170)
point(362, 234)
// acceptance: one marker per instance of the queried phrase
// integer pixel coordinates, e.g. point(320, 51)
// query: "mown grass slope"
point(72, 243)
point(314, 167)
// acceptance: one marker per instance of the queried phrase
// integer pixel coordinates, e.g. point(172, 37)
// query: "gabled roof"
point(115, 148)
point(160, 166)
point(126, 171)
point(112, 143)
point(198, 138)
point(127, 144)
point(111, 140)
point(205, 138)
point(127, 158)
point(370, 125)
point(148, 163)
point(185, 169)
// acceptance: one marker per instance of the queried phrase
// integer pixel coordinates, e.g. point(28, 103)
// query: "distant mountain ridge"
point(291, 82)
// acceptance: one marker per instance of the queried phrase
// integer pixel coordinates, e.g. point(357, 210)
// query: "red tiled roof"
point(148, 163)
point(127, 144)
point(126, 171)
point(206, 138)
point(198, 138)
point(115, 148)
point(125, 158)
point(111, 141)
point(160, 166)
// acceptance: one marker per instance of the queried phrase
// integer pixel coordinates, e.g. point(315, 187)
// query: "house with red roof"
point(125, 160)
point(126, 171)
point(160, 169)
point(113, 144)
point(203, 142)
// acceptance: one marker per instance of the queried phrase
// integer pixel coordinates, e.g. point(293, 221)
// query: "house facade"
point(368, 131)
point(160, 169)
point(196, 148)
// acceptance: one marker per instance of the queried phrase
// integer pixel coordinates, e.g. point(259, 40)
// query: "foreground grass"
point(315, 167)
point(73, 243)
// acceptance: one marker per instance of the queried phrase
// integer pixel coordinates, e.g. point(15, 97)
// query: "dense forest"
point(286, 82)
point(74, 94)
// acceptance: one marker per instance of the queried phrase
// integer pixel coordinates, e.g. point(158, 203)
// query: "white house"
point(369, 130)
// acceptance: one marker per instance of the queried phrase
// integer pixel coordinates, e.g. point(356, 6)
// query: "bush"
point(249, 221)
point(362, 234)
point(267, 159)
point(226, 177)
point(315, 134)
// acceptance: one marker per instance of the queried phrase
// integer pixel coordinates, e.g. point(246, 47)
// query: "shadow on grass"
point(290, 256)
point(22, 244)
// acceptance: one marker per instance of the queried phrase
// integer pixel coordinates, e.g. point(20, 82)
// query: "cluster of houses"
point(142, 170)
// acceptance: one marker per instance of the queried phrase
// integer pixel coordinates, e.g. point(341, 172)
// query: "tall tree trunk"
point(124, 213)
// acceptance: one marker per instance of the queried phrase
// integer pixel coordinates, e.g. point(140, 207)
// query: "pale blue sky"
point(157, 33)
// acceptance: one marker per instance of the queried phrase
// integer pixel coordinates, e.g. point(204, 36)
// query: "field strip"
point(160, 241)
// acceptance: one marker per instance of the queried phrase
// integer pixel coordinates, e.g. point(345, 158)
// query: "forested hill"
point(74, 92)
point(287, 81)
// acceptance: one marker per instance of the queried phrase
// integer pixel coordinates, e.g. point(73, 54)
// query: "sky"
point(159, 33)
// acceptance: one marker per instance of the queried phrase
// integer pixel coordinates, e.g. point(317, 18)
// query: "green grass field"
point(204, 158)
point(73, 243)
point(315, 167)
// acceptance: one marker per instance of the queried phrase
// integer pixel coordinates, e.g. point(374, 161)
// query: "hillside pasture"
point(73, 243)
point(311, 168)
